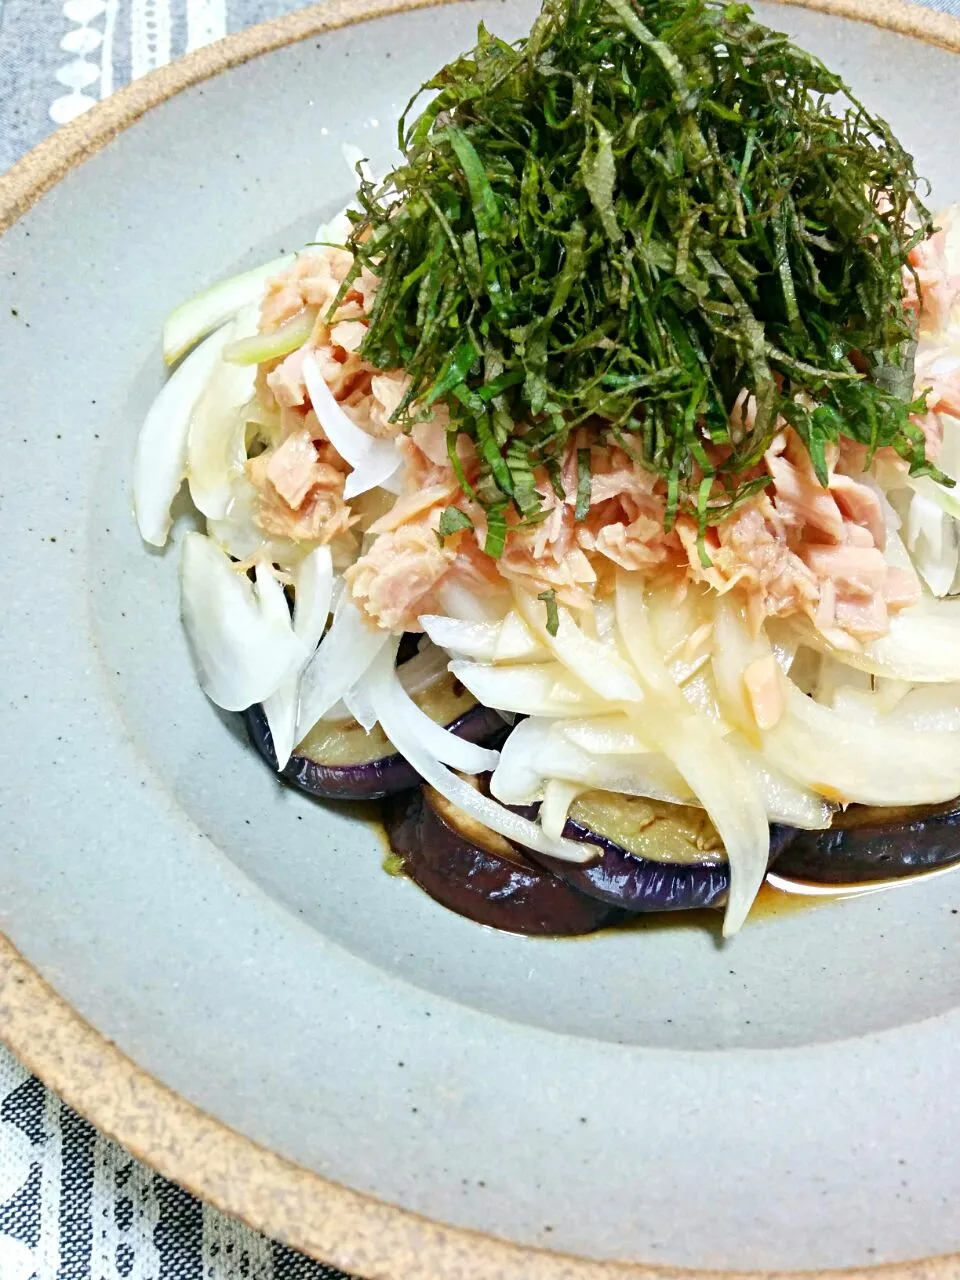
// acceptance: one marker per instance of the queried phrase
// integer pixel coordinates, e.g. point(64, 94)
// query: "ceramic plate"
point(318, 1047)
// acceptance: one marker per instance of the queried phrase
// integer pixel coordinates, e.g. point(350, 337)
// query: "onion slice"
point(196, 317)
point(313, 585)
point(711, 769)
point(922, 645)
point(558, 796)
point(241, 648)
point(216, 440)
point(595, 664)
point(161, 459)
point(388, 700)
point(437, 741)
point(534, 689)
point(477, 640)
point(536, 751)
point(847, 760)
point(842, 759)
point(343, 658)
point(375, 462)
point(358, 704)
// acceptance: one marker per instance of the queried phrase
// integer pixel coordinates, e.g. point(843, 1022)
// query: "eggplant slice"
point(339, 760)
point(866, 843)
point(478, 874)
point(654, 856)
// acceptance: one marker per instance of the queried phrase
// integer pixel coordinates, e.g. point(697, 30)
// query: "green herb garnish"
point(549, 599)
point(625, 219)
point(453, 521)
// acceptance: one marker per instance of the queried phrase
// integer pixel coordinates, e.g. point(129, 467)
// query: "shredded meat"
point(393, 581)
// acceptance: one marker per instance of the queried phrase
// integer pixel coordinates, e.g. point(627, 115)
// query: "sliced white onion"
point(558, 796)
point(733, 650)
point(483, 640)
point(700, 691)
point(161, 459)
point(518, 778)
point(273, 600)
point(847, 760)
point(423, 669)
point(534, 689)
point(536, 751)
point(713, 771)
point(517, 643)
point(436, 741)
point(614, 735)
point(595, 664)
point(358, 704)
point(242, 649)
point(196, 317)
point(930, 533)
point(878, 764)
point(415, 675)
point(458, 601)
point(388, 700)
point(468, 639)
point(313, 586)
point(376, 463)
point(921, 647)
point(784, 800)
point(929, 707)
point(348, 649)
point(216, 441)
point(238, 534)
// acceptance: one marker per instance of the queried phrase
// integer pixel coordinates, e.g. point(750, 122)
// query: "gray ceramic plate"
point(788, 1100)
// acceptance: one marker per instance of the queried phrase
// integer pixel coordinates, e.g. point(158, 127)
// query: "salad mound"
point(626, 406)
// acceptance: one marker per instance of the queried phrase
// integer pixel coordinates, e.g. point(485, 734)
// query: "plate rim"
point(213, 1161)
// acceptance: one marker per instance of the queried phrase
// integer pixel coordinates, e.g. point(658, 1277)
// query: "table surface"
point(73, 1204)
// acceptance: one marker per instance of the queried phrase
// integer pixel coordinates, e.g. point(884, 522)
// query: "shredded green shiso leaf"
point(622, 221)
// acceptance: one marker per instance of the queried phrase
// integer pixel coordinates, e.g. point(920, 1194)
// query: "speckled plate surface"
point(342, 1062)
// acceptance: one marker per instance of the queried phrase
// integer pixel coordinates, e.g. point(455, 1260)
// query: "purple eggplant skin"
point(641, 884)
point(480, 875)
point(370, 779)
point(866, 844)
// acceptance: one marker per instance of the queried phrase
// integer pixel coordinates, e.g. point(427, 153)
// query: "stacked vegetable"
point(659, 234)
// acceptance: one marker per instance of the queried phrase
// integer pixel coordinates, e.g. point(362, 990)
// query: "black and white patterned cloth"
point(74, 1205)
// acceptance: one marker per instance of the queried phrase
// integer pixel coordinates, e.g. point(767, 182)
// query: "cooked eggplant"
point(339, 760)
point(478, 874)
point(654, 856)
point(866, 843)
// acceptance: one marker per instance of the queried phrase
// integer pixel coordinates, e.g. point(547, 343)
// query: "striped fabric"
point(75, 1206)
